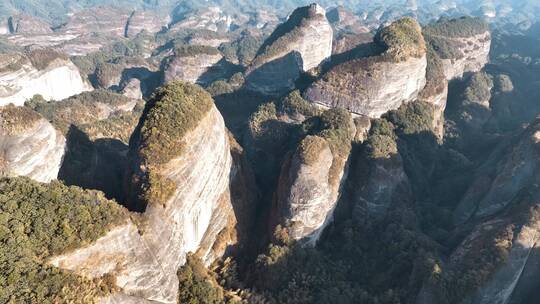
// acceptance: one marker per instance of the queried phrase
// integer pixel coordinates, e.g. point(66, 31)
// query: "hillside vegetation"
point(38, 221)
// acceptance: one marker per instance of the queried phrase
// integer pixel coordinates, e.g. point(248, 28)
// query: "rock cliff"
point(311, 178)
point(296, 46)
point(29, 145)
point(374, 85)
point(498, 259)
point(194, 64)
point(463, 45)
point(42, 72)
point(181, 168)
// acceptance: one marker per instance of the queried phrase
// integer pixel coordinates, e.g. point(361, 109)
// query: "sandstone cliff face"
point(312, 176)
point(372, 86)
point(20, 79)
point(29, 145)
point(309, 193)
point(188, 205)
point(296, 46)
point(475, 55)
point(463, 44)
point(385, 184)
point(193, 68)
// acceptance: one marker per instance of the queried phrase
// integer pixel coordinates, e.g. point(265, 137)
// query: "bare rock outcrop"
point(463, 45)
point(43, 72)
point(374, 85)
point(311, 178)
point(181, 166)
point(344, 20)
point(455, 47)
point(379, 176)
point(194, 64)
point(298, 45)
point(29, 145)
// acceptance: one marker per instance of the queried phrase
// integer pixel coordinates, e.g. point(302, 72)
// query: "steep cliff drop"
point(193, 64)
point(498, 260)
point(296, 46)
point(29, 145)
point(374, 85)
point(463, 45)
point(44, 72)
point(312, 176)
point(181, 166)
point(455, 47)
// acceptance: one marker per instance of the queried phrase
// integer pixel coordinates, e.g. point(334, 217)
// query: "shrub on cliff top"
point(479, 88)
point(15, 119)
point(381, 142)
point(403, 39)
point(194, 50)
point(38, 221)
point(41, 58)
point(412, 118)
point(336, 127)
point(79, 109)
point(196, 286)
point(173, 111)
point(294, 104)
point(459, 27)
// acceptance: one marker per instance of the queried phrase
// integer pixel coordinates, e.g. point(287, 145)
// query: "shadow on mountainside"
point(99, 164)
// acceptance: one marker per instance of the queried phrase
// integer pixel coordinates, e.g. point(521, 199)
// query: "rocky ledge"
point(374, 85)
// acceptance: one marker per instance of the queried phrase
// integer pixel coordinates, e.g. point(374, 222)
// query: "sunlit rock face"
point(311, 178)
point(188, 202)
point(308, 192)
point(53, 78)
point(475, 55)
point(374, 85)
point(29, 145)
point(197, 67)
point(463, 45)
point(296, 46)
